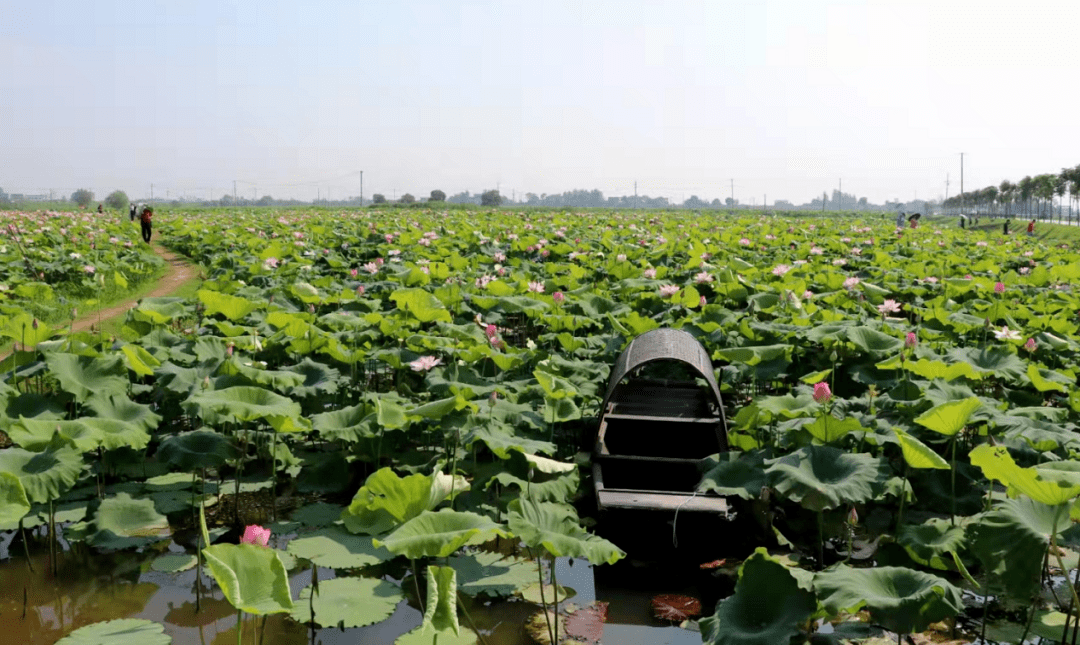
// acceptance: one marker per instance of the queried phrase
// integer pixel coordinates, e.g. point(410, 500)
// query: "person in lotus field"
point(144, 221)
point(1031, 228)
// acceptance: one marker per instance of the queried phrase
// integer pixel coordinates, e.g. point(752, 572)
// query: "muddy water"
point(91, 587)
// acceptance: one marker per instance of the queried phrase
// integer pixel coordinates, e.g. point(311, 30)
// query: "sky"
point(761, 99)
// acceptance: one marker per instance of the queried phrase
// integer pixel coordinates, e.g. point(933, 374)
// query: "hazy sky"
point(295, 98)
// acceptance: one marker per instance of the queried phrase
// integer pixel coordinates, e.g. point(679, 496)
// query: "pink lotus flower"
point(650, 273)
point(911, 340)
point(621, 257)
point(703, 278)
point(491, 330)
point(255, 534)
point(353, 272)
point(888, 307)
point(558, 297)
point(668, 290)
point(999, 287)
point(371, 267)
point(822, 393)
point(500, 257)
point(536, 287)
point(1030, 345)
point(89, 268)
point(780, 269)
point(744, 242)
point(807, 295)
point(360, 290)
point(701, 303)
point(851, 283)
point(424, 363)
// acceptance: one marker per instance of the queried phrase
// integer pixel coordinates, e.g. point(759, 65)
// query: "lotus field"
point(365, 408)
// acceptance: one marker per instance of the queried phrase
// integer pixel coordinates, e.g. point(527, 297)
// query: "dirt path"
point(177, 273)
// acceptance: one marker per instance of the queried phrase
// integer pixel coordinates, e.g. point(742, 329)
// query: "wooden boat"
point(653, 432)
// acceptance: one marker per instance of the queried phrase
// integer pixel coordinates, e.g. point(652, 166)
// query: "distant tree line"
point(1030, 197)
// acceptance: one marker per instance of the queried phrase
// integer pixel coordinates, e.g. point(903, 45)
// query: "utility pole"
point(732, 193)
point(635, 194)
point(961, 182)
point(840, 204)
point(946, 191)
point(361, 189)
point(234, 192)
point(824, 197)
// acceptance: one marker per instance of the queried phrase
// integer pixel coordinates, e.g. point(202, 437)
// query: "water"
point(91, 587)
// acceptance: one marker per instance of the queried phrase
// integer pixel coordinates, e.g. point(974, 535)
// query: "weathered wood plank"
point(609, 498)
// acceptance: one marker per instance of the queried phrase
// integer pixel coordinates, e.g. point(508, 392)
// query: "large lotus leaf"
point(949, 418)
point(160, 311)
point(321, 473)
point(827, 428)
point(928, 542)
point(128, 631)
point(917, 454)
point(85, 376)
point(252, 577)
point(441, 611)
point(439, 534)
point(899, 599)
point(998, 361)
point(232, 307)
point(1045, 486)
point(139, 360)
point(1045, 380)
point(426, 636)
point(13, 503)
point(421, 304)
point(1011, 541)
point(44, 475)
point(768, 606)
point(503, 441)
point(281, 380)
point(492, 573)
point(348, 602)
point(753, 355)
point(873, 341)
point(121, 408)
point(823, 477)
point(542, 488)
point(335, 548)
point(389, 414)
point(553, 527)
point(240, 404)
point(741, 474)
point(85, 434)
point(33, 406)
point(191, 451)
point(122, 522)
point(349, 424)
point(387, 500)
point(318, 379)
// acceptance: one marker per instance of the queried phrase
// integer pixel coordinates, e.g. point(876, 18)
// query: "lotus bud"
point(229, 349)
point(493, 399)
point(853, 517)
point(206, 382)
point(911, 340)
point(701, 303)
point(255, 534)
point(1030, 345)
point(34, 324)
point(822, 393)
point(999, 287)
point(311, 308)
point(559, 297)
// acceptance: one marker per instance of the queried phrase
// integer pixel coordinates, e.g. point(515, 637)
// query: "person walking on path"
point(1031, 228)
point(132, 211)
point(1005, 227)
point(144, 220)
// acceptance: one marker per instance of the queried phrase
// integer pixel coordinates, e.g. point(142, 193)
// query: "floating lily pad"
point(129, 631)
point(492, 573)
point(174, 562)
point(348, 602)
point(336, 548)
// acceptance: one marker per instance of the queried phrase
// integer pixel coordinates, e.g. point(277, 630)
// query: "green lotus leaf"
point(252, 577)
point(424, 306)
point(317, 514)
point(85, 434)
point(281, 380)
point(1046, 380)
point(917, 454)
point(321, 473)
point(122, 522)
point(931, 370)
point(128, 631)
point(426, 636)
point(949, 418)
point(439, 534)
point(503, 441)
point(998, 361)
point(348, 602)
point(160, 311)
point(823, 477)
point(86, 376)
point(754, 355)
point(387, 500)
point(440, 613)
point(741, 474)
point(195, 450)
point(336, 548)
point(1044, 486)
point(899, 599)
point(44, 475)
point(20, 328)
point(13, 502)
point(873, 341)
point(768, 606)
point(827, 428)
point(240, 404)
point(347, 424)
point(928, 542)
point(389, 414)
point(437, 409)
point(1011, 541)
point(484, 572)
point(555, 528)
point(121, 408)
point(232, 307)
point(318, 379)
point(174, 562)
point(139, 360)
point(550, 594)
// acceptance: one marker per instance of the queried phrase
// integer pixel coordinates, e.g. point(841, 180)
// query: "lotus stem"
point(555, 601)
point(1031, 616)
point(903, 498)
point(26, 546)
point(543, 601)
point(952, 484)
point(273, 469)
point(52, 537)
point(239, 626)
point(821, 539)
point(1061, 564)
point(416, 583)
point(461, 605)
